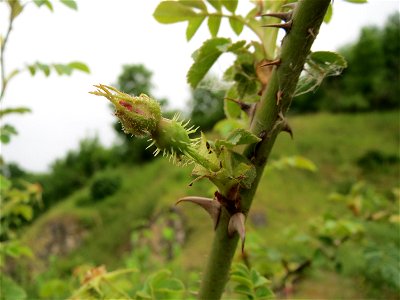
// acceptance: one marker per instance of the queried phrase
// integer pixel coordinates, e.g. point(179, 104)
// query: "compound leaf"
point(205, 57)
point(168, 12)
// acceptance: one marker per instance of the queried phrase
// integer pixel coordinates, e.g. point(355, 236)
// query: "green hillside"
point(80, 231)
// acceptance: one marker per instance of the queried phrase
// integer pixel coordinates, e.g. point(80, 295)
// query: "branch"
point(3, 46)
point(268, 121)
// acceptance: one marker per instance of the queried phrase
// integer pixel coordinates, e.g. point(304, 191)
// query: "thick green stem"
point(268, 121)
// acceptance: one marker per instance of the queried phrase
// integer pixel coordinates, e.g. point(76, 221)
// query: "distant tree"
point(73, 171)
point(391, 52)
point(135, 79)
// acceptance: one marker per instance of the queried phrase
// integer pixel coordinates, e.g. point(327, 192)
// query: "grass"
point(286, 197)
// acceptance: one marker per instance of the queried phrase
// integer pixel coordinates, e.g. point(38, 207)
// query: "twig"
point(2, 49)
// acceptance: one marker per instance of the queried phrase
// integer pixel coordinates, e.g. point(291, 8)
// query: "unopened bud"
point(141, 116)
point(138, 115)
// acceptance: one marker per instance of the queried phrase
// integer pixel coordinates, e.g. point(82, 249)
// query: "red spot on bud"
point(138, 111)
point(127, 105)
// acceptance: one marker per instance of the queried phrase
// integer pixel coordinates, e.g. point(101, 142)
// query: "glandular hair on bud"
point(171, 136)
point(139, 115)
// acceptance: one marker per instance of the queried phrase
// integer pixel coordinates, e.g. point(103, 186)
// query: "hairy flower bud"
point(138, 115)
point(171, 134)
point(141, 116)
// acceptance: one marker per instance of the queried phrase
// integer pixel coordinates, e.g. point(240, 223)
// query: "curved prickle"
point(212, 206)
point(284, 16)
point(287, 25)
point(236, 224)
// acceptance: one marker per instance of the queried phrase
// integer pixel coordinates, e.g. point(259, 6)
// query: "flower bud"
point(139, 116)
point(171, 136)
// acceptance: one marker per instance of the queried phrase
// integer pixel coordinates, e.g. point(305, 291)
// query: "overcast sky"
point(106, 34)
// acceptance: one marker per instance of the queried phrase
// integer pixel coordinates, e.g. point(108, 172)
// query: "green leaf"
point(46, 3)
point(16, 8)
point(162, 286)
point(319, 65)
point(216, 4)
point(15, 110)
point(242, 280)
point(225, 127)
point(195, 3)
point(5, 184)
point(168, 12)
point(53, 289)
point(44, 68)
point(250, 283)
point(62, 69)
point(242, 137)
point(245, 85)
point(328, 59)
point(230, 5)
point(257, 279)
point(214, 23)
point(193, 25)
point(32, 69)
point(143, 295)
point(328, 15)
point(357, 1)
point(297, 161)
point(237, 47)
point(264, 292)
point(231, 108)
point(77, 65)
point(236, 25)
point(6, 131)
point(243, 290)
point(15, 249)
point(205, 57)
point(70, 3)
point(10, 290)
point(240, 269)
point(24, 211)
point(229, 74)
point(245, 174)
point(12, 74)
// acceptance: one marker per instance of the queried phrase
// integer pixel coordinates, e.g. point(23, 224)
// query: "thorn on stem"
point(213, 207)
point(279, 95)
point(284, 16)
point(275, 62)
point(311, 32)
point(236, 224)
point(287, 25)
point(290, 5)
point(285, 127)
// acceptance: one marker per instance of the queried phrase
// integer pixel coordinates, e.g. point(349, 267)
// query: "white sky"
point(106, 34)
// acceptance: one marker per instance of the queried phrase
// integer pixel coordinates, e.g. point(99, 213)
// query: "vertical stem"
point(219, 261)
point(267, 122)
point(2, 49)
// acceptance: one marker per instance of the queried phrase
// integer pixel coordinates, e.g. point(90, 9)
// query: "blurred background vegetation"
point(115, 206)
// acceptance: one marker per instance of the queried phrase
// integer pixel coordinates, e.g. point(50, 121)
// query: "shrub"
point(374, 159)
point(104, 186)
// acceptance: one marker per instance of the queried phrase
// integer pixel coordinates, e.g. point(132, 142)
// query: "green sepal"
point(234, 169)
point(238, 137)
